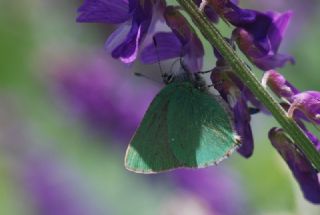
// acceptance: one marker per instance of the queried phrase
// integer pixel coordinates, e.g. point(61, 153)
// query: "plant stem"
point(212, 34)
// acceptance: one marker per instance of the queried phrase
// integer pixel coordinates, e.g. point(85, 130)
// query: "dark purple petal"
point(242, 120)
point(104, 11)
point(167, 46)
point(259, 35)
point(183, 42)
point(211, 14)
point(209, 11)
point(230, 89)
point(117, 37)
point(279, 27)
point(127, 51)
point(303, 171)
point(248, 95)
point(178, 24)
point(307, 102)
point(126, 48)
point(194, 53)
point(272, 61)
point(254, 22)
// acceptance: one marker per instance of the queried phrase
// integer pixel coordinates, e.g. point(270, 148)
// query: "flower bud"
point(301, 168)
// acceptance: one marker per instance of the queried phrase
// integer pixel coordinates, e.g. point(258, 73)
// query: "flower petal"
point(272, 61)
point(279, 85)
point(127, 50)
point(167, 46)
point(254, 22)
point(194, 54)
point(309, 103)
point(104, 11)
point(231, 90)
point(303, 171)
point(242, 120)
point(277, 30)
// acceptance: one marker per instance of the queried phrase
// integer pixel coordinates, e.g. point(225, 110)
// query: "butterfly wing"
point(200, 127)
point(149, 150)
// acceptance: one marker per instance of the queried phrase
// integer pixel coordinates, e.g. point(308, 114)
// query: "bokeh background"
point(67, 112)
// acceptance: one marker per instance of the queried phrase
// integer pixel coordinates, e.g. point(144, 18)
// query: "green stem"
point(212, 34)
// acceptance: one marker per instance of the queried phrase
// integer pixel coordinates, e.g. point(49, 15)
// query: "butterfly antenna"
point(165, 77)
point(184, 67)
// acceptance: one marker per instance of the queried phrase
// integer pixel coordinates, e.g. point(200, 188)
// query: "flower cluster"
point(256, 34)
point(302, 107)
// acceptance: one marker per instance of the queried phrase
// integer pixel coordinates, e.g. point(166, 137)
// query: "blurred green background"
point(53, 161)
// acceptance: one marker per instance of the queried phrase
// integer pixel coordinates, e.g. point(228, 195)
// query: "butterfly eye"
point(167, 79)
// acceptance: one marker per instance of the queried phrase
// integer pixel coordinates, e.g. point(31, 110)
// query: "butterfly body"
point(184, 126)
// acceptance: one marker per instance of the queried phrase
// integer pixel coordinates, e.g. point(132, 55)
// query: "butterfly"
point(184, 126)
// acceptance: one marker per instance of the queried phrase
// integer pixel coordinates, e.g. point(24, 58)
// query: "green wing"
point(149, 150)
point(200, 128)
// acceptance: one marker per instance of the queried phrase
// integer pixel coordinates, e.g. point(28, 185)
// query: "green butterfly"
point(184, 126)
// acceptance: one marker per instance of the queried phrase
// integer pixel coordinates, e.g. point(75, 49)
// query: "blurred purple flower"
point(125, 41)
point(218, 189)
point(51, 189)
point(105, 95)
point(181, 42)
point(307, 177)
point(49, 184)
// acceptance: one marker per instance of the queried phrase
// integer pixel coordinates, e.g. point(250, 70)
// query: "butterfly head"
point(184, 74)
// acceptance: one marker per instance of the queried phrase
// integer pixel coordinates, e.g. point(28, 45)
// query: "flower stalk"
point(211, 33)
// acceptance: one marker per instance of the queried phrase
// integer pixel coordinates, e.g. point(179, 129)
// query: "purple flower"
point(49, 184)
point(279, 85)
point(304, 12)
point(215, 8)
point(51, 188)
point(223, 81)
point(259, 35)
point(212, 8)
point(301, 106)
point(307, 177)
point(103, 95)
point(301, 103)
point(182, 42)
point(237, 95)
point(218, 189)
point(309, 103)
point(125, 41)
